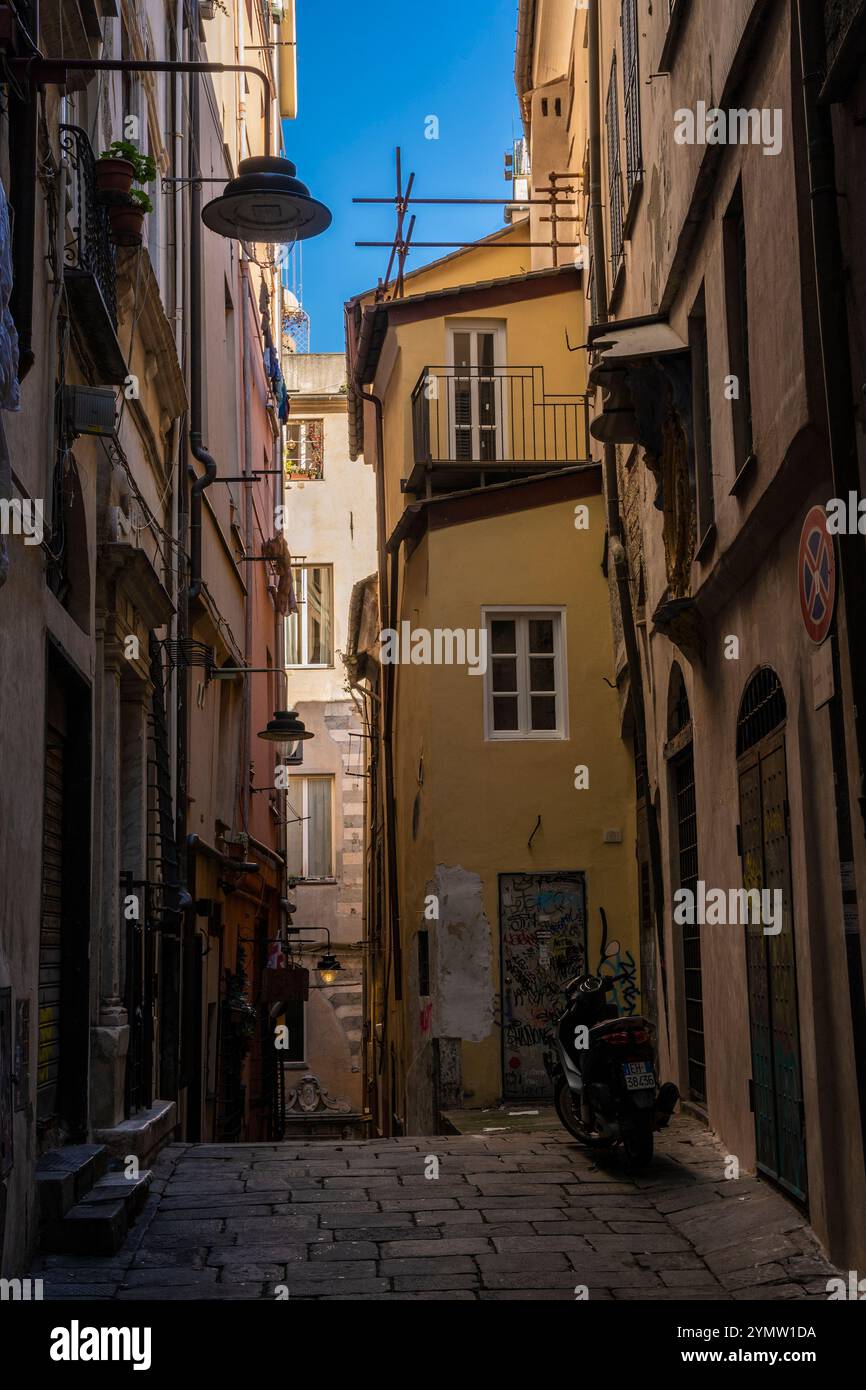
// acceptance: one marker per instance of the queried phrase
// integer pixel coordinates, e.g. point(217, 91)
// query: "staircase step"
point(117, 1187)
point(64, 1176)
point(90, 1228)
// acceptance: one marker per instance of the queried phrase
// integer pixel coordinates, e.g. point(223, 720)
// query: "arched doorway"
point(682, 777)
point(764, 842)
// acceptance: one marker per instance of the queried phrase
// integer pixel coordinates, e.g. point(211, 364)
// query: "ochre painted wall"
point(479, 800)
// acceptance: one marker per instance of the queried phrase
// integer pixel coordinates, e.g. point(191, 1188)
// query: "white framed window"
point(305, 449)
point(311, 828)
point(309, 632)
point(525, 693)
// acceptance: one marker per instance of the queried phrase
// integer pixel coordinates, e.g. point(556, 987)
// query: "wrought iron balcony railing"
point(489, 423)
point(89, 256)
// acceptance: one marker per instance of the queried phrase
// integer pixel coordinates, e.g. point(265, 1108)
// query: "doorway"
point(777, 1088)
point(542, 921)
point(476, 384)
point(64, 931)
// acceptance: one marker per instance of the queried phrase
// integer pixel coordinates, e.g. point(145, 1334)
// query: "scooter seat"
point(618, 1025)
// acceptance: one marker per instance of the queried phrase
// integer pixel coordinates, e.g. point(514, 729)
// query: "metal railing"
point(89, 247)
point(489, 416)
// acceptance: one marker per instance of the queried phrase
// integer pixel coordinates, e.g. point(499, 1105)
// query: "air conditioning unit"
point(90, 409)
point(206, 9)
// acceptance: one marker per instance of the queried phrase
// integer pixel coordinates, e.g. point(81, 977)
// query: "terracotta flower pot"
point(126, 220)
point(114, 175)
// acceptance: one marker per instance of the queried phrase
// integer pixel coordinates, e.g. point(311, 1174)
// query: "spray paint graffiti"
point(620, 967)
point(543, 924)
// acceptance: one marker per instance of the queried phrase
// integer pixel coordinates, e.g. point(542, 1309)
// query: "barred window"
point(631, 94)
point(614, 178)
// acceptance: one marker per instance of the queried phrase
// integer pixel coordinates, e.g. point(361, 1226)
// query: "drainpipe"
point(282, 830)
point(617, 551)
point(831, 291)
point(196, 445)
point(246, 796)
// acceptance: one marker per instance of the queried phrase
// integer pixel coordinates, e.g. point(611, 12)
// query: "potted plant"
point(127, 218)
point(121, 165)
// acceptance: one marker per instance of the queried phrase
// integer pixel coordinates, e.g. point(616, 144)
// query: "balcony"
point(89, 271)
point(473, 426)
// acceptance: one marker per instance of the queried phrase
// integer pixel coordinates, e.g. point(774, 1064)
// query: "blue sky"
point(366, 84)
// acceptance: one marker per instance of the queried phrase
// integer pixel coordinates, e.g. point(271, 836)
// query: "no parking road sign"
point(817, 575)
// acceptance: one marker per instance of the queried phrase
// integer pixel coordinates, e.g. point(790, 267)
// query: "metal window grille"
point(680, 712)
point(743, 295)
point(762, 710)
point(614, 173)
point(631, 95)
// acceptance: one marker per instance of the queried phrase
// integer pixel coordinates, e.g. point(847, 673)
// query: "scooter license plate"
point(639, 1076)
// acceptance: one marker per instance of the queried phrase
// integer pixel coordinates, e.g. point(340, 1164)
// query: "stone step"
point(98, 1224)
point(90, 1228)
point(65, 1176)
point(118, 1187)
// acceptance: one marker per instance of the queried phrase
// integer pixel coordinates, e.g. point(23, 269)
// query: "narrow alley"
point(432, 676)
point(511, 1215)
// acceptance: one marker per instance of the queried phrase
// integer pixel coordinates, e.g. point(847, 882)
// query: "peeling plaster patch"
point(463, 957)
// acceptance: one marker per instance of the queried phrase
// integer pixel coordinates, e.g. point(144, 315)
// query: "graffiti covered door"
point(543, 927)
point(777, 1089)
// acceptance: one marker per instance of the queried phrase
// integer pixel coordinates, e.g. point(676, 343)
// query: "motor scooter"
point(603, 1069)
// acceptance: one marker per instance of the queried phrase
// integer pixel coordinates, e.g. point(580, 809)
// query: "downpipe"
point(196, 442)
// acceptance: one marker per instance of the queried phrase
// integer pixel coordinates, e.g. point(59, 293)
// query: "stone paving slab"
point(515, 1215)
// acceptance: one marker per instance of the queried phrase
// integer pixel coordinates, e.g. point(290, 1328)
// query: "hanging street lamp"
point(267, 202)
point(328, 968)
point(286, 727)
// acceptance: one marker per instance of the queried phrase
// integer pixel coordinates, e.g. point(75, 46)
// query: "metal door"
point(543, 929)
point(777, 1091)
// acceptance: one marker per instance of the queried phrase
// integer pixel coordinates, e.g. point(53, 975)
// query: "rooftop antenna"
point(556, 196)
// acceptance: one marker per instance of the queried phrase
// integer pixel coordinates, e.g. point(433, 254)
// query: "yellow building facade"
point(501, 808)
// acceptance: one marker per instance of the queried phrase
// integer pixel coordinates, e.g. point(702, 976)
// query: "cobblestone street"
point(512, 1215)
